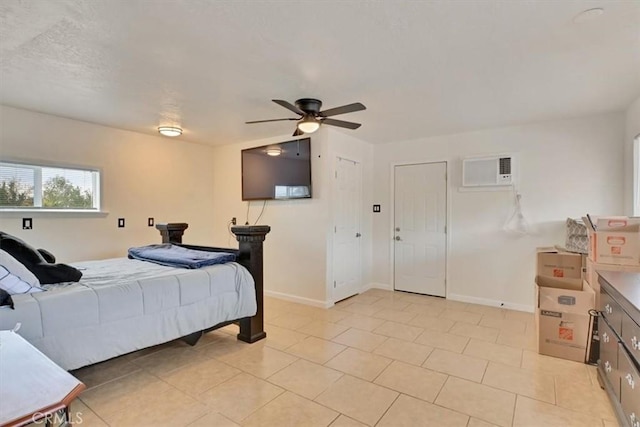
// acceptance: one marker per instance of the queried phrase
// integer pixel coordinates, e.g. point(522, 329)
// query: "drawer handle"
point(608, 309)
point(605, 337)
point(630, 380)
point(635, 344)
point(607, 366)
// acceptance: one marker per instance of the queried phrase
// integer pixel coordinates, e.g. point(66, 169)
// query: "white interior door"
point(420, 212)
point(346, 242)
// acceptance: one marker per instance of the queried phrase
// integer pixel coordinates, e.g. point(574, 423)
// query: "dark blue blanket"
point(179, 257)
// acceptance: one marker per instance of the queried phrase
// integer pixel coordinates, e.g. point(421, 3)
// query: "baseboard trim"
point(491, 302)
point(374, 285)
point(299, 300)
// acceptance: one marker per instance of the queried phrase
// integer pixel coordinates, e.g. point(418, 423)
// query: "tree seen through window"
point(29, 186)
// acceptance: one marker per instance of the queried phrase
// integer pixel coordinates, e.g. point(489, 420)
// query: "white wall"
point(142, 176)
point(632, 129)
point(567, 168)
point(294, 251)
point(297, 251)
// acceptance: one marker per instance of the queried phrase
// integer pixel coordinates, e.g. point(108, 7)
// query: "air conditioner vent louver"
point(505, 166)
point(491, 171)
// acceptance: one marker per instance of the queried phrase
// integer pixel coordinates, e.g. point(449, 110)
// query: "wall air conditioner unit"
point(491, 171)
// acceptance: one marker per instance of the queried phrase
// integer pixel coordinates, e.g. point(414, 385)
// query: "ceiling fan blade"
point(350, 108)
point(270, 120)
point(288, 106)
point(298, 132)
point(341, 123)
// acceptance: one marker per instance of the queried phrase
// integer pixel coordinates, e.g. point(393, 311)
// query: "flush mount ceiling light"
point(273, 151)
point(170, 131)
point(588, 15)
point(308, 124)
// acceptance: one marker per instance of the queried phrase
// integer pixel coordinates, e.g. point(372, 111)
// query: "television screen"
point(277, 171)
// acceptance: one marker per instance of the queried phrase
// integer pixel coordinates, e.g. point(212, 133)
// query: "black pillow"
point(48, 256)
point(5, 299)
point(38, 264)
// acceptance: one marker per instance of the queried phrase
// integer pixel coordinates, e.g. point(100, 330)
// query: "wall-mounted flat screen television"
point(277, 171)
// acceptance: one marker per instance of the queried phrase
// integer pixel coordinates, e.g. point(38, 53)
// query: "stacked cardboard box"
point(564, 299)
point(614, 245)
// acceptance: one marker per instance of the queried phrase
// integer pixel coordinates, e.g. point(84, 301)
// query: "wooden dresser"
point(619, 364)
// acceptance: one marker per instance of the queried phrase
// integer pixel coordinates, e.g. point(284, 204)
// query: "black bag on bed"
point(5, 299)
point(35, 262)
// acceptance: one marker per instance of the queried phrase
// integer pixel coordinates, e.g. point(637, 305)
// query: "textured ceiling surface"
point(421, 68)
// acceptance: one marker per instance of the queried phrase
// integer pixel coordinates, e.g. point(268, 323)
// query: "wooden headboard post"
point(172, 232)
point(250, 238)
point(249, 255)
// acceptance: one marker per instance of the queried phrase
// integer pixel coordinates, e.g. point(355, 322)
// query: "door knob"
point(398, 238)
point(358, 234)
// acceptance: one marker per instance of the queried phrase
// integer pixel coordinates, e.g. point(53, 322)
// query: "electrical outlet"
point(376, 208)
point(150, 222)
point(233, 221)
point(27, 223)
point(120, 222)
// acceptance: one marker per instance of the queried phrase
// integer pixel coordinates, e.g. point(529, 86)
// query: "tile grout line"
point(515, 405)
point(93, 410)
point(387, 410)
point(450, 409)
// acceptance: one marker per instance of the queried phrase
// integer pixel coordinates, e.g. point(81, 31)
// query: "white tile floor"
point(381, 358)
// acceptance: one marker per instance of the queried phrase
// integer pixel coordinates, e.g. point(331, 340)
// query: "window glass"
point(42, 187)
point(16, 186)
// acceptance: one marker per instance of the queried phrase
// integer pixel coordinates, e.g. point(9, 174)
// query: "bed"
point(123, 305)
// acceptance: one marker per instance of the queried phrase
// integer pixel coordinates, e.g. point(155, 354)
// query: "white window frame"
point(37, 190)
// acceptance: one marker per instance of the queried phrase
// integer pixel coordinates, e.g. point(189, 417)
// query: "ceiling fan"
point(311, 117)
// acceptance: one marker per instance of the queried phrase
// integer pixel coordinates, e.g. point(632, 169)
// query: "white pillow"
point(16, 268)
point(13, 284)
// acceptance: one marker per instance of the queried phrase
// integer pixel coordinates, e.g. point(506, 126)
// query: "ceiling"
point(422, 68)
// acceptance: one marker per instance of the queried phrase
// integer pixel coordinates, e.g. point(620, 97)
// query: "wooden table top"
point(628, 285)
point(30, 383)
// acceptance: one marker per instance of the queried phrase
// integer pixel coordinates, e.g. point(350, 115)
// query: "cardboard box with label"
point(562, 318)
point(568, 268)
point(564, 299)
point(614, 240)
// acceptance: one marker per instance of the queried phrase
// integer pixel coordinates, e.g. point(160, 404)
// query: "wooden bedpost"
point(172, 232)
point(250, 238)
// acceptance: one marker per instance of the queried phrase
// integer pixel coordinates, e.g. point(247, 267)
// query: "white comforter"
point(122, 305)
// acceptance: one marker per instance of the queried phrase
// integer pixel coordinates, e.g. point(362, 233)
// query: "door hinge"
point(445, 229)
point(334, 283)
point(335, 229)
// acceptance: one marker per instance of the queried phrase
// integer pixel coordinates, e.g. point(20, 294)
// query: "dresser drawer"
point(609, 356)
point(629, 388)
point(611, 311)
point(631, 336)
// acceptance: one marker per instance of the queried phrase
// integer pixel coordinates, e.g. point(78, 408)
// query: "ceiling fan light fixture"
point(309, 124)
point(274, 151)
point(170, 131)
